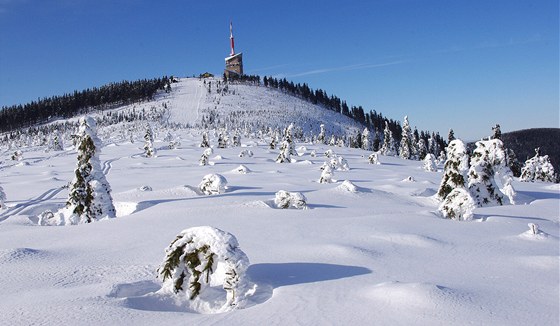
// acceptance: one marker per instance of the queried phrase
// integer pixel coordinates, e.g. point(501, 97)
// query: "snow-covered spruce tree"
point(455, 169)
point(272, 144)
point(458, 205)
point(339, 163)
point(429, 163)
point(201, 258)
point(366, 142)
point(222, 139)
point(2, 197)
point(213, 184)
point(388, 147)
point(488, 159)
point(321, 138)
point(284, 155)
point(56, 142)
point(17, 155)
point(149, 150)
point(205, 143)
point(406, 149)
point(289, 138)
point(89, 198)
point(496, 132)
point(205, 155)
point(450, 136)
point(284, 199)
point(422, 149)
point(537, 168)
point(332, 141)
point(236, 138)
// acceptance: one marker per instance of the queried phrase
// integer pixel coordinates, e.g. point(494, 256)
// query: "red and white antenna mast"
point(231, 38)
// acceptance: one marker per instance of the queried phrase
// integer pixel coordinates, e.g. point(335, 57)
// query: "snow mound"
point(410, 240)
point(421, 297)
point(348, 186)
point(134, 289)
point(125, 208)
point(242, 169)
point(534, 233)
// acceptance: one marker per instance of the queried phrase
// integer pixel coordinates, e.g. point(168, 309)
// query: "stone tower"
point(234, 62)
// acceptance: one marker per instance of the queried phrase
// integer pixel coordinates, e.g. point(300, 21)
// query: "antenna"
point(231, 39)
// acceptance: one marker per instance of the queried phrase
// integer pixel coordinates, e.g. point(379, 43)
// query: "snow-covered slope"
point(370, 252)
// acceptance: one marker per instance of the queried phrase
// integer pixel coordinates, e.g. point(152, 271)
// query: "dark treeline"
point(80, 102)
point(372, 120)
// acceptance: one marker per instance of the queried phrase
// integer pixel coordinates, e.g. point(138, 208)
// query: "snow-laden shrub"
point(17, 156)
point(327, 174)
point(537, 168)
point(329, 153)
point(246, 152)
point(429, 163)
point(285, 199)
point(213, 184)
point(339, 163)
point(242, 169)
point(200, 261)
point(347, 185)
point(313, 153)
point(458, 205)
point(301, 150)
point(487, 160)
point(373, 158)
point(409, 179)
point(2, 197)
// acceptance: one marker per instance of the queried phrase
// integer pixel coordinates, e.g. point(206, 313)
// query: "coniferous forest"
point(80, 102)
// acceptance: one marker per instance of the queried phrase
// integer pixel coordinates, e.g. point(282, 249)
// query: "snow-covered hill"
point(373, 254)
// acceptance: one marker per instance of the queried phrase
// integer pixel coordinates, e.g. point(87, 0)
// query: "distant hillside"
point(524, 142)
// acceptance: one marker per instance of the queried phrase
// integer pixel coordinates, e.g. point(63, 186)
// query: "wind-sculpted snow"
point(370, 249)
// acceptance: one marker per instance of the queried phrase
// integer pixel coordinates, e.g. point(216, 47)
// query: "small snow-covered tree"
point(366, 141)
point(429, 163)
point(373, 158)
point(284, 156)
point(213, 184)
point(89, 198)
point(332, 141)
point(455, 169)
point(201, 258)
point(285, 199)
point(17, 155)
point(56, 142)
point(149, 150)
point(236, 139)
point(458, 205)
point(205, 156)
point(321, 138)
point(205, 143)
point(406, 149)
point(222, 139)
point(2, 197)
point(289, 138)
point(496, 132)
point(246, 152)
point(488, 158)
point(422, 149)
point(339, 163)
point(327, 174)
point(537, 168)
point(388, 147)
point(450, 136)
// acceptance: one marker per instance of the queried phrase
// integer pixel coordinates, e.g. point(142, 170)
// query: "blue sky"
point(464, 65)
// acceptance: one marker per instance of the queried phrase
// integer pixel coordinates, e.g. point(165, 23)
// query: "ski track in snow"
point(22, 207)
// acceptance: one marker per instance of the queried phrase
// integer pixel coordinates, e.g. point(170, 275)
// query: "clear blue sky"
point(464, 64)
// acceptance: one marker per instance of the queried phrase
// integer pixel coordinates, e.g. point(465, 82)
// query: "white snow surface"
point(371, 250)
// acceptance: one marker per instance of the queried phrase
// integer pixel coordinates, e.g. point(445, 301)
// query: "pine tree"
point(149, 150)
point(450, 136)
point(487, 160)
point(455, 169)
point(366, 142)
point(322, 136)
point(406, 149)
point(284, 155)
point(497, 133)
point(205, 143)
point(90, 194)
point(388, 147)
point(537, 168)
